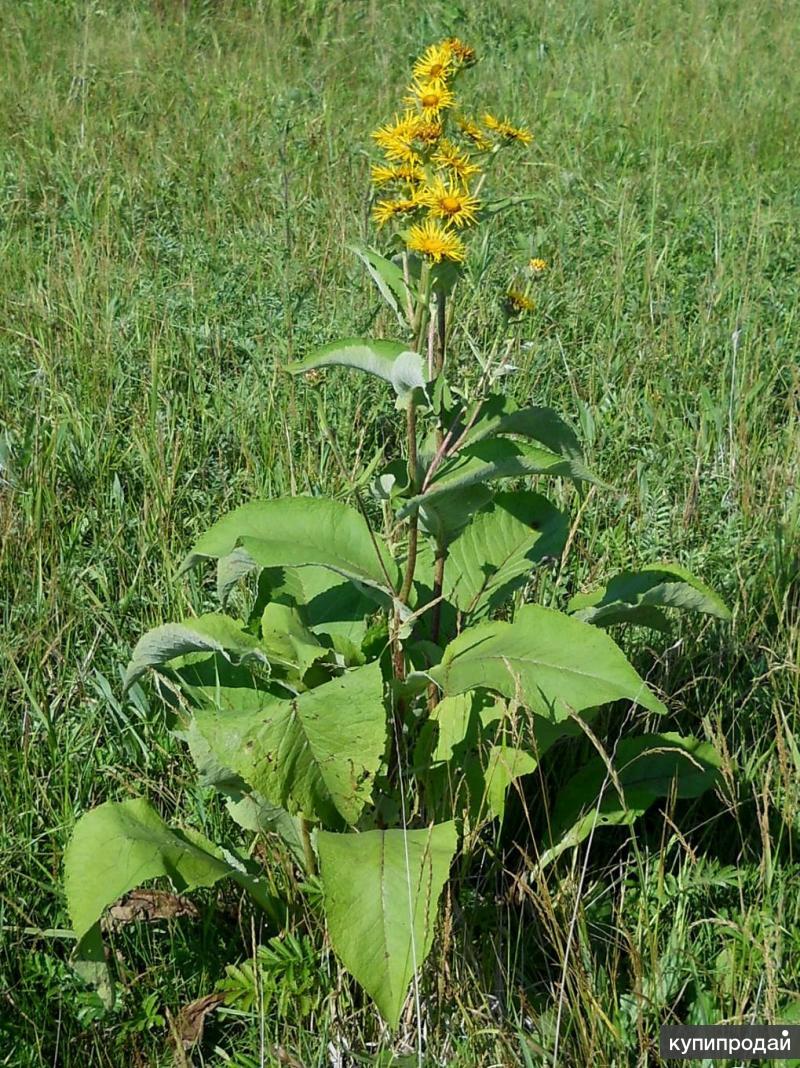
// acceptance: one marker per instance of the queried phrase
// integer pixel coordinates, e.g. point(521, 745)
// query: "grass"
point(178, 182)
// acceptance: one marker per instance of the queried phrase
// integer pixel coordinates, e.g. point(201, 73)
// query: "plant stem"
point(411, 556)
point(438, 586)
point(308, 849)
point(441, 546)
point(441, 332)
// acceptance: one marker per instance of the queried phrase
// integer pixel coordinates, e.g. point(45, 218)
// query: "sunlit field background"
point(178, 186)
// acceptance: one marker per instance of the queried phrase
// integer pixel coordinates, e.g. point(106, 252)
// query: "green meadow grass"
point(178, 185)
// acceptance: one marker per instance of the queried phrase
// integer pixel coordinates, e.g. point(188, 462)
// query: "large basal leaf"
point(245, 806)
point(390, 360)
point(382, 893)
point(302, 531)
point(497, 550)
point(501, 415)
point(551, 662)
point(120, 845)
point(647, 768)
point(212, 633)
point(315, 755)
point(639, 596)
point(490, 460)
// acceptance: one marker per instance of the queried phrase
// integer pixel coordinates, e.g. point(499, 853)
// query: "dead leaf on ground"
point(150, 905)
point(282, 1056)
point(188, 1024)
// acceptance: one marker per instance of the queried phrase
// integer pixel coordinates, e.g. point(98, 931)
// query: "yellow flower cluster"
point(433, 167)
point(517, 301)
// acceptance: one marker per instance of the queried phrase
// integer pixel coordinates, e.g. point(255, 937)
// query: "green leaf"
point(315, 755)
point(502, 765)
point(494, 459)
point(389, 279)
point(480, 751)
point(638, 596)
point(498, 549)
point(91, 966)
point(212, 633)
point(326, 603)
point(551, 662)
point(245, 806)
point(302, 531)
point(446, 516)
point(215, 683)
point(501, 415)
point(285, 638)
point(120, 845)
point(382, 893)
point(647, 767)
point(254, 813)
point(453, 717)
point(390, 360)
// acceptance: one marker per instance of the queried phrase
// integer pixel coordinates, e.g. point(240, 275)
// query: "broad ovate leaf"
point(390, 360)
point(551, 662)
point(381, 892)
point(211, 633)
point(298, 532)
point(245, 806)
point(491, 460)
point(498, 549)
point(121, 845)
point(501, 415)
point(639, 597)
point(646, 768)
point(315, 755)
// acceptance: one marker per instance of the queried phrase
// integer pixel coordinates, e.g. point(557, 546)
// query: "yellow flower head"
point(407, 173)
point(386, 210)
point(537, 266)
point(451, 203)
point(450, 156)
point(396, 138)
point(508, 132)
point(429, 132)
point(463, 53)
point(431, 98)
point(436, 64)
point(436, 242)
point(475, 134)
point(517, 302)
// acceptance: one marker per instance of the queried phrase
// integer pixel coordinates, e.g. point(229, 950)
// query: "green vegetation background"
point(178, 182)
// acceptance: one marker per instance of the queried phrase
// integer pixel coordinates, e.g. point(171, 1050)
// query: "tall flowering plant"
point(374, 682)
